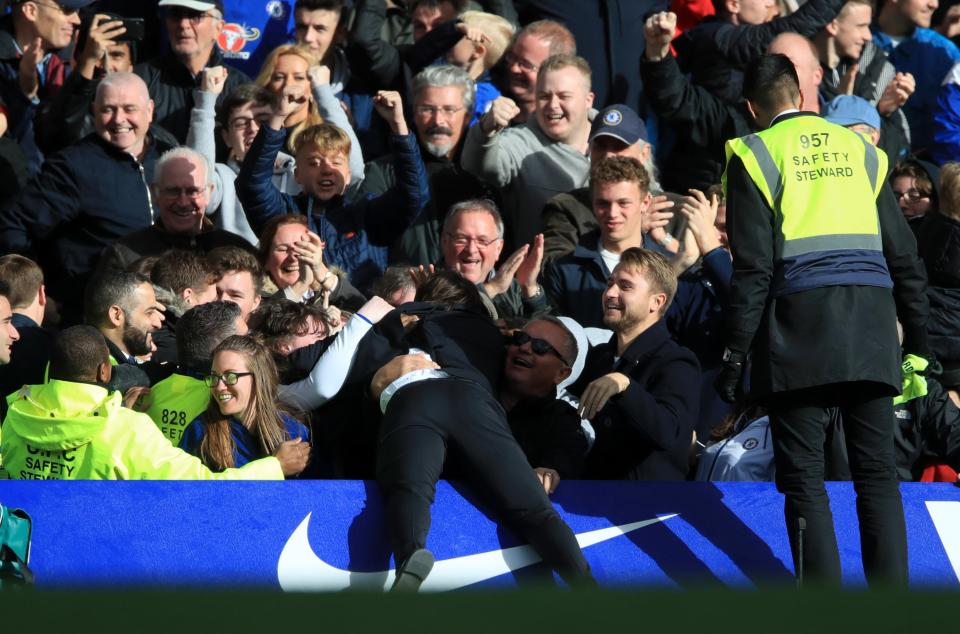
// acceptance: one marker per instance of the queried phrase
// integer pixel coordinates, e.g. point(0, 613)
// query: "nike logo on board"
point(299, 569)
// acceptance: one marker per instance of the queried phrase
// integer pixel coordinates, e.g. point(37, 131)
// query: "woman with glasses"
point(243, 421)
point(915, 183)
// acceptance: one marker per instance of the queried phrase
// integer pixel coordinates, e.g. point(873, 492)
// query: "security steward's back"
point(823, 265)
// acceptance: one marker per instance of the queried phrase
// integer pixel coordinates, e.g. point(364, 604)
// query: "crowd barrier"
point(330, 535)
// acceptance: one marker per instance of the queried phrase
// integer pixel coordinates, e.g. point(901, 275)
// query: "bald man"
point(88, 195)
point(803, 54)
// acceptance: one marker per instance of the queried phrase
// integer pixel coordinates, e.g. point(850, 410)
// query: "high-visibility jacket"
point(822, 182)
point(174, 402)
point(77, 431)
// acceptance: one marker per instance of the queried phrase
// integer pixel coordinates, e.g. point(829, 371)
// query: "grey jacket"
point(530, 168)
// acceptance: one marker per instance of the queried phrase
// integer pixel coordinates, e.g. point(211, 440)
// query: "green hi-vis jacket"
point(174, 402)
point(822, 181)
point(77, 431)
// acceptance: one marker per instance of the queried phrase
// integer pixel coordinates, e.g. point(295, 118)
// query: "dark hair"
point(770, 81)
point(320, 5)
point(76, 354)
point(448, 289)
point(226, 259)
point(177, 270)
point(144, 265)
point(111, 288)
point(5, 290)
point(239, 97)
point(279, 318)
point(394, 278)
point(459, 6)
point(23, 278)
point(269, 232)
point(201, 329)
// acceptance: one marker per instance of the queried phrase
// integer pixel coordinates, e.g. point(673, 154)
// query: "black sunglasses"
point(540, 347)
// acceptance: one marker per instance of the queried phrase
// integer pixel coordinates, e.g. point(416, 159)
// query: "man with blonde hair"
point(541, 158)
point(641, 389)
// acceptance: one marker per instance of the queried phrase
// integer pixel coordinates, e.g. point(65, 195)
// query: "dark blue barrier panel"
point(329, 535)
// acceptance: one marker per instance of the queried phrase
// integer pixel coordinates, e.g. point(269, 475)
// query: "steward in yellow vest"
point(175, 401)
point(824, 264)
point(72, 428)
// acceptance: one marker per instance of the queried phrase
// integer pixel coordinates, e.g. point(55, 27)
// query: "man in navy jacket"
point(641, 389)
point(357, 232)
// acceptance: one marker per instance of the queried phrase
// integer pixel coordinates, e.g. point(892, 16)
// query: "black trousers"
point(426, 418)
point(799, 421)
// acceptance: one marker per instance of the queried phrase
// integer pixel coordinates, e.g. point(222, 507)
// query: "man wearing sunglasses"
point(35, 39)
point(192, 28)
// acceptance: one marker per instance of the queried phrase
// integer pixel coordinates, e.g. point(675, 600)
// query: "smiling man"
point(543, 157)
point(90, 194)
point(181, 191)
point(443, 98)
point(640, 389)
point(193, 27)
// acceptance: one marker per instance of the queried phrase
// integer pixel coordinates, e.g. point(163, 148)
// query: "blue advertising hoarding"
point(330, 535)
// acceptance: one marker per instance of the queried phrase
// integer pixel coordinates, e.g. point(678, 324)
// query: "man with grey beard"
point(443, 99)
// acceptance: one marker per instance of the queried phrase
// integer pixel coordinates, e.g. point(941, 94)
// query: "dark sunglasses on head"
point(540, 347)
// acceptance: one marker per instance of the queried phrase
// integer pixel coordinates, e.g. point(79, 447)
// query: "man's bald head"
point(123, 112)
point(803, 54)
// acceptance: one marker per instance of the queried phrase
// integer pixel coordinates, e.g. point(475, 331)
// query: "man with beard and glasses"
point(640, 390)
point(181, 191)
point(124, 308)
point(443, 98)
point(88, 195)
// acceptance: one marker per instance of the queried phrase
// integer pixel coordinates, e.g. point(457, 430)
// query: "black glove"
point(729, 383)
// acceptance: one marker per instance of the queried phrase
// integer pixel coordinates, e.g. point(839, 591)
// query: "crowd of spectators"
point(258, 267)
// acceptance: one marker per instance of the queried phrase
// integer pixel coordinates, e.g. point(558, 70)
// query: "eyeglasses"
point(524, 64)
point(540, 347)
point(912, 195)
point(193, 193)
point(246, 122)
point(228, 378)
point(176, 14)
point(67, 11)
point(462, 241)
point(429, 111)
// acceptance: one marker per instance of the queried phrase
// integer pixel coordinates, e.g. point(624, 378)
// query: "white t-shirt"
point(610, 259)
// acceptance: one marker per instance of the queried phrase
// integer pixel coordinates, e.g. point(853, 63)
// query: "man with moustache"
point(181, 190)
point(88, 195)
point(443, 98)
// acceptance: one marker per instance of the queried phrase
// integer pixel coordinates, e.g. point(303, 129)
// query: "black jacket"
point(154, 240)
point(449, 184)
point(171, 87)
point(28, 359)
point(549, 432)
point(825, 335)
point(645, 432)
point(715, 52)
point(938, 242)
point(88, 196)
point(704, 122)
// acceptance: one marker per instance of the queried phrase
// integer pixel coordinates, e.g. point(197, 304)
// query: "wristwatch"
point(326, 276)
point(666, 241)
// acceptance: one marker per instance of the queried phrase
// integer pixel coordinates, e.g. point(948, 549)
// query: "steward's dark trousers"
point(799, 421)
point(426, 418)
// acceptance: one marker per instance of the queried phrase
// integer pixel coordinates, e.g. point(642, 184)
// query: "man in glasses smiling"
point(181, 192)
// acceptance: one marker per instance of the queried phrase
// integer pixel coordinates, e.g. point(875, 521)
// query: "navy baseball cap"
point(620, 122)
point(196, 5)
point(847, 110)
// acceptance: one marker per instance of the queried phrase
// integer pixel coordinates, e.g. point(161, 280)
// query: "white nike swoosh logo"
point(946, 519)
point(300, 570)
